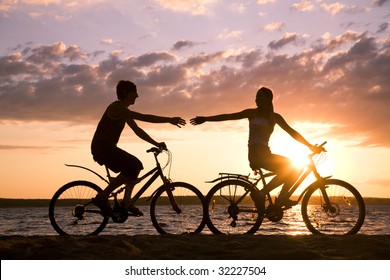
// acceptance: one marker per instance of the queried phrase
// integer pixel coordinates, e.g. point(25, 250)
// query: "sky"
point(327, 62)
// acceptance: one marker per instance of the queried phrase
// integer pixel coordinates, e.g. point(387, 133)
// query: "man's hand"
point(177, 121)
point(197, 120)
point(162, 146)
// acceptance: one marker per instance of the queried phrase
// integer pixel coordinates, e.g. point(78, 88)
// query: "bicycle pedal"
point(134, 215)
point(135, 212)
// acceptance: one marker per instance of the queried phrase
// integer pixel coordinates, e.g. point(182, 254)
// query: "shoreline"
point(28, 202)
point(196, 247)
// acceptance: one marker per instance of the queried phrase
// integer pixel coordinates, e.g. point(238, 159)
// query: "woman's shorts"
point(261, 157)
point(119, 160)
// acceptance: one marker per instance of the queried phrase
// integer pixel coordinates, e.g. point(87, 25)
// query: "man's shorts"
point(119, 160)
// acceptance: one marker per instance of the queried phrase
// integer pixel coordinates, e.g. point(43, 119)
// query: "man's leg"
point(128, 192)
point(113, 185)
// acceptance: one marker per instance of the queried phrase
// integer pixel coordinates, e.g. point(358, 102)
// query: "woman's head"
point(264, 99)
point(264, 95)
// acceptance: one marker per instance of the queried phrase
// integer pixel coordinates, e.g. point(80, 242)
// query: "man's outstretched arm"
point(157, 119)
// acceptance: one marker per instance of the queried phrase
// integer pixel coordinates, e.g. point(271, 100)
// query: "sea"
point(34, 221)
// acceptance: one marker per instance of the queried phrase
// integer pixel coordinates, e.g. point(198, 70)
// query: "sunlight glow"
point(299, 160)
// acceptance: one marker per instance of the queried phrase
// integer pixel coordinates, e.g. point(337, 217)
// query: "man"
point(104, 143)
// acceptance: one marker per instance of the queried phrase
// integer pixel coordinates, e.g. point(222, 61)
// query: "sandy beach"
point(196, 247)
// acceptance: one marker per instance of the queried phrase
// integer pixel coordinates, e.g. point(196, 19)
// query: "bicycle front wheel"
point(230, 209)
point(71, 211)
point(343, 215)
point(189, 219)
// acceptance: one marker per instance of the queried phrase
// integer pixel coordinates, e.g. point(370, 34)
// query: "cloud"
point(8, 5)
point(288, 38)
point(195, 7)
point(226, 34)
point(240, 8)
point(274, 26)
point(28, 148)
point(383, 27)
point(339, 40)
point(107, 41)
point(303, 6)
point(333, 8)
point(341, 80)
point(380, 2)
point(183, 44)
point(56, 52)
point(265, 2)
point(149, 59)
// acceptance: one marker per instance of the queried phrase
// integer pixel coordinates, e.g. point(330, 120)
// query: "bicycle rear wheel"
point(71, 211)
point(190, 201)
point(230, 209)
point(344, 216)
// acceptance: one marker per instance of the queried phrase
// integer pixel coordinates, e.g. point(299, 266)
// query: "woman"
point(261, 125)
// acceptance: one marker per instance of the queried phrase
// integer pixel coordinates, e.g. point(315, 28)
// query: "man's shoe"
point(103, 205)
point(135, 211)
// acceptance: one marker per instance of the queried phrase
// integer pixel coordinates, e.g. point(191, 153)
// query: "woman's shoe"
point(287, 203)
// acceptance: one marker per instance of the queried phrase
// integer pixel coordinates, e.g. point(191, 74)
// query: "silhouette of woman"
point(261, 125)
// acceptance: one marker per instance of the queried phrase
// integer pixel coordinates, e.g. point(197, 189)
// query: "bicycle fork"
point(168, 189)
point(327, 206)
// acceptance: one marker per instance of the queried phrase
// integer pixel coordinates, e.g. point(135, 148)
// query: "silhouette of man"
point(104, 143)
point(261, 125)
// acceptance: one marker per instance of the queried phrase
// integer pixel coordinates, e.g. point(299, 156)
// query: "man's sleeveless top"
point(109, 129)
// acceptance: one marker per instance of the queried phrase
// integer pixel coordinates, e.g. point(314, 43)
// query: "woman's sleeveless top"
point(260, 130)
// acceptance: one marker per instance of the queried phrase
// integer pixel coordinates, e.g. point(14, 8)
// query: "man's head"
point(126, 91)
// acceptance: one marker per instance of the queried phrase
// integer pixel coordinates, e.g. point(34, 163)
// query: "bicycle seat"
point(265, 173)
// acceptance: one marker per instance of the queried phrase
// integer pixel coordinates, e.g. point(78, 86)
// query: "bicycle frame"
point(154, 173)
point(311, 168)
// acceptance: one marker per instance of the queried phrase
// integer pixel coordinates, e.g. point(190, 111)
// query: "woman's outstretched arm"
point(222, 117)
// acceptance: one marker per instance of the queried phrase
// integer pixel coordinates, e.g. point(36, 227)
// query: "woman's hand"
point(197, 120)
point(317, 149)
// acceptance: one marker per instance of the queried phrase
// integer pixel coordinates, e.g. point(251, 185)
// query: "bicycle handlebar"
point(322, 146)
point(155, 150)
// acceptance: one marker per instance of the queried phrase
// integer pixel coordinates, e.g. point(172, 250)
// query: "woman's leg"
point(286, 173)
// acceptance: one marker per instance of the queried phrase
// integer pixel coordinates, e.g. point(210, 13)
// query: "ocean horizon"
point(34, 221)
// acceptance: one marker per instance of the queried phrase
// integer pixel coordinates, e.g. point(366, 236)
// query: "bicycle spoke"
point(190, 202)
point(72, 213)
point(341, 212)
point(229, 209)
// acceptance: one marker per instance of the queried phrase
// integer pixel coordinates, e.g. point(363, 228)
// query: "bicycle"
point(175, 207)
point(329, 206)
